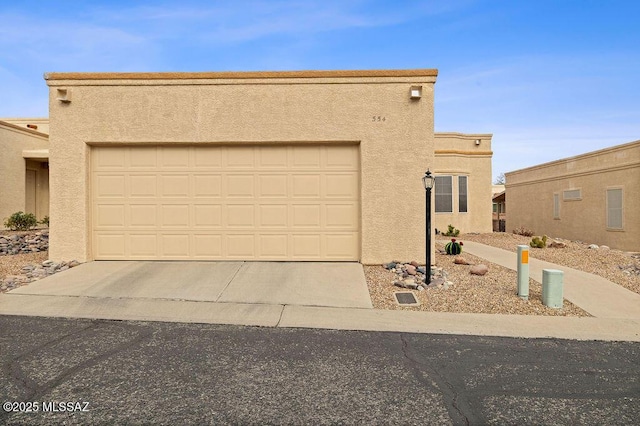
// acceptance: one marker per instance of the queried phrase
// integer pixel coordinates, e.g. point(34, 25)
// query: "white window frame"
point(621, 208)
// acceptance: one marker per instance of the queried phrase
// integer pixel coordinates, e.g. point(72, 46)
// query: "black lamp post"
point(428, 181)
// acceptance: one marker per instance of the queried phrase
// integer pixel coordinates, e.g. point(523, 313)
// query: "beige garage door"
point(224, 202)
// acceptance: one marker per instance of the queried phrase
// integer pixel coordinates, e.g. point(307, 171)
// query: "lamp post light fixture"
point(428, 180)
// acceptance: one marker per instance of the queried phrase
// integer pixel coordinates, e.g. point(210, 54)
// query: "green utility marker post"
point(523, 272)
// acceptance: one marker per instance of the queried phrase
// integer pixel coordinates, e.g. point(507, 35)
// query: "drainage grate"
point(406, 298)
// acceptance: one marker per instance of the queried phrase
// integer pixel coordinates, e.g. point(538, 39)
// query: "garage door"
point(225, 202)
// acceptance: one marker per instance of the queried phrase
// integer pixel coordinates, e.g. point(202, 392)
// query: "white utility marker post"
point(552, 288)
point(523, 272)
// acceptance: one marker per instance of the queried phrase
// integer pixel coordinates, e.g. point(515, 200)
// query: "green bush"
point(451, 232)
point(20, 221)
point(45, 221)
point(539, 243)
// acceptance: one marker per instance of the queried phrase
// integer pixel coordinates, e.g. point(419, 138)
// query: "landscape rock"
point(480, 269)
point(414, 263)
point(605, 248)
point(557, 244)
point(459, 260)
point(32, 242)
point(593, 246)
point(411, 270)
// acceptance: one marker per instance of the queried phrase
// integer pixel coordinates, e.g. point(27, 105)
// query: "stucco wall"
point(529, 197)
point(13, 140)
point(458, 154)
point(235, 108)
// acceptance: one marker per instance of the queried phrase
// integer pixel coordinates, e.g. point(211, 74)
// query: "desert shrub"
point(536, 242)
point(454, 247)
point(523, 231)
point(451, 232)
point(45, 221)
point(20, 221)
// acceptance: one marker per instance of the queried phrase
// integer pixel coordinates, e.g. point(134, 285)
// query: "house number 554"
point(378, 118)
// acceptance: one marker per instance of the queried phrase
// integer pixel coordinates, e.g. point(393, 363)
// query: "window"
point(495, 207)
point(444, 194)
point(572, 195)
point(556, 206)
point(614, 208)
point(462, 194)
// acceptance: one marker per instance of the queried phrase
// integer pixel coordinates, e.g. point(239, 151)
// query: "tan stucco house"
point(24, 167)
point(309, 165)
point(593, 197)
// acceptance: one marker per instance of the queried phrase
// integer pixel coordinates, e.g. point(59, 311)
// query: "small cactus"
point(536, 242)
point(454, 247)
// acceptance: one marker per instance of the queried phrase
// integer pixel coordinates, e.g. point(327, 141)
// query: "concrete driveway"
point(264, 283)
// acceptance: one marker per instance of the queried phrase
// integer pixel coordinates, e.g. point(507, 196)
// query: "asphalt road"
point(77, 371)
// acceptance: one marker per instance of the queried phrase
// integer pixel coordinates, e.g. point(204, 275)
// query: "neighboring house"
point(594, 197)
point(499, 208)
point(463, 182)
point(24, 169)
point(310, 165)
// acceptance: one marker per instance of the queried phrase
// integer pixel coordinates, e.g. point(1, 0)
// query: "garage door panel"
point(143, 215)
point(240, 216)
point(240, 186)
point(341, 246)
point(306, 186)
point(240, 246)
point(209, 157)
point(175, 215)
point(174, 157)
point(341, 216)
point(174, 186)
point(141, 157)
point(272, 186)
point(226, 202)
point(109, 186)
point(143, 186)
point(307, 157)
point(207, 246)
point(207, 215)
point(175, 246)
point(110, 246)
point(110, 215)
point(207, 186)
point(143, 246)
point(273, 246)
point(240, 157)
point(341, 186)
point(273, 216)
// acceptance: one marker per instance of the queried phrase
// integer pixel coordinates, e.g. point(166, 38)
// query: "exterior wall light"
point(416, 92)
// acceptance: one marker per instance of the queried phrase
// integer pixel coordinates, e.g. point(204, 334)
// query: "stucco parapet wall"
point(24, 130)
point(457, 135)
point(263, 77)
point(454, 152)
point(522, 176)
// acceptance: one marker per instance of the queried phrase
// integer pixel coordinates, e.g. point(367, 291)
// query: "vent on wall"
point(572, 195)
point(64, 95)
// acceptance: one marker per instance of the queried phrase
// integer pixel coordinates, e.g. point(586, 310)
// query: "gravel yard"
point(495, 292)
point(620, 267)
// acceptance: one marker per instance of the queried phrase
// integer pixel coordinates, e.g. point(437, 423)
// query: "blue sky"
point(549, 79)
